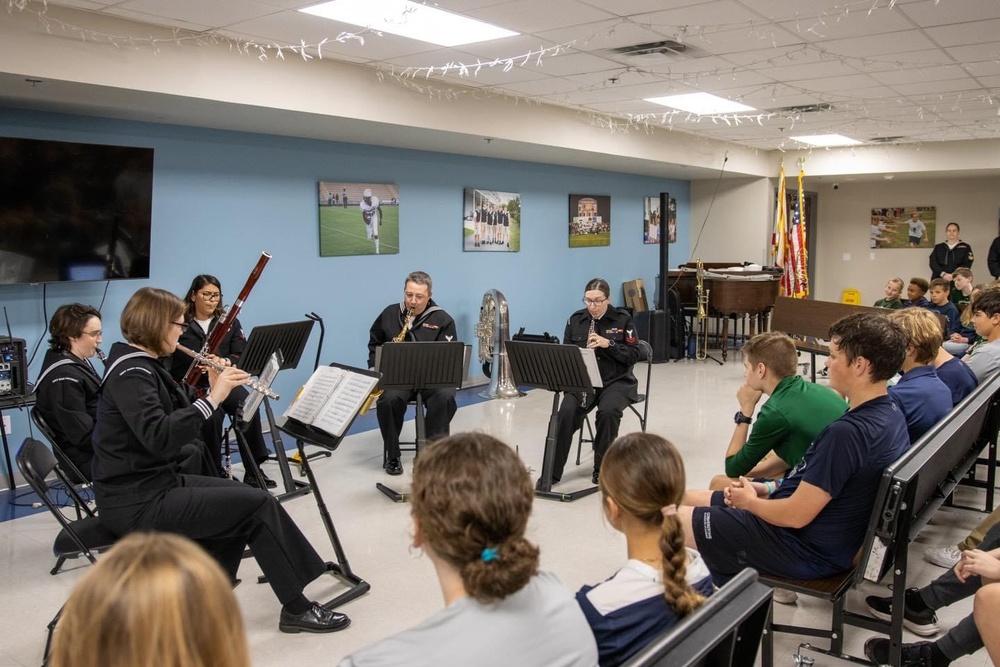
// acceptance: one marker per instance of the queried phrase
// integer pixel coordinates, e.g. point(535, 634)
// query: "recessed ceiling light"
point(700, 103)
point(410, 19)
point(827, 140)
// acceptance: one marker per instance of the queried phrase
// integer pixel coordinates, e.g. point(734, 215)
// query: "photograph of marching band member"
point(589, 221)
point(416, 318)
point(492, 221)
point(363, 219)
point(203, 314)
point(651, 227)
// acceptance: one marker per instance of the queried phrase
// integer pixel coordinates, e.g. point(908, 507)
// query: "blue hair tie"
point(489, 554)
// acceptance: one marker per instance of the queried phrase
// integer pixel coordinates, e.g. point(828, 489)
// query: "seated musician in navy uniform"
point(608, 331)
point(417, 318)
point(68, 385)
point(204, 312)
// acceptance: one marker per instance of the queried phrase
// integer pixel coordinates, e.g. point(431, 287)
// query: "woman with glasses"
point(203, 314)
point(143, 420)
point(610, 333)
point(68, 386)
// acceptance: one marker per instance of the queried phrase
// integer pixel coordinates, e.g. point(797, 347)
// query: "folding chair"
point(646, 355)
point(80, 537)
point(72, 472)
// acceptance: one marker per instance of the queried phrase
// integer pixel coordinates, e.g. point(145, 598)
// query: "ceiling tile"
point(215, 14)
point(934, 12)
point(167, 21)
point(959, 34)
point(601, 35)
point(531, 16)
point(915, 74)
point(839, 24)
point(577, 63)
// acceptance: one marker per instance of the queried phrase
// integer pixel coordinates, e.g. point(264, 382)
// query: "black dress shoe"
point(540, 482)
point(317, 619)
point(596, 476)
point(250, 480)
point(393, 467)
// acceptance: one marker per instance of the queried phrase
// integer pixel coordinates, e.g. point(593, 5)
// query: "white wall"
point(843, 229)
point(738, 225)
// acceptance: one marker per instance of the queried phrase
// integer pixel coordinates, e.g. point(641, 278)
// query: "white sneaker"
point(784, 596)
point(946, 557)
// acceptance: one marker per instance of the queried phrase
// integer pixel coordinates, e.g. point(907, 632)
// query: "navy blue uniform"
point(67, 393)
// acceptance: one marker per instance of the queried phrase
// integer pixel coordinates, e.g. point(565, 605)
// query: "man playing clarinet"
point(417, 318)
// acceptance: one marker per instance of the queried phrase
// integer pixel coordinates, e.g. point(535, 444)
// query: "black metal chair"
point(72, 472)
point(79, 537)
point(645, 355)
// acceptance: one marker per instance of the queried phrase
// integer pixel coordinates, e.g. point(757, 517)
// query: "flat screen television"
point(71, 211)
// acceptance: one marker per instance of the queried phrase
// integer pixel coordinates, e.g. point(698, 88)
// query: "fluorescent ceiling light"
point(827, 140)
point(410, 19)
point(700, 103)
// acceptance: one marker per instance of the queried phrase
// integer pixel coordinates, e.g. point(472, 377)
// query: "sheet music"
point(315, 393)
point(249, 408)
point(344, 403)
point(590, 361)
point(331, 398)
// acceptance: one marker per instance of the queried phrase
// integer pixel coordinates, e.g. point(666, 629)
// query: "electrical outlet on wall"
point(6, 424)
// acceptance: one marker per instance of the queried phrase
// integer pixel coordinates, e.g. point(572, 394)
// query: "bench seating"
point(910, 491)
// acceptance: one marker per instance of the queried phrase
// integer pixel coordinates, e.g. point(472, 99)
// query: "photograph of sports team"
point(903, 227)
point(492, 221)
point(651, 221)
point(589, 221)
point(358, 219)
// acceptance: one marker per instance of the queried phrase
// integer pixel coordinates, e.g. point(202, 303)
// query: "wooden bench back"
point(813, 319)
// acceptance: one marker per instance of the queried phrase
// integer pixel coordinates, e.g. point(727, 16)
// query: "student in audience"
point(791, 418)
point(812, 525)
point(976, 568)
point(956, 374)
point(915, 292)
point(470, 507)
point(942, 305)
point(920, 393)
point(641, 482)
point(984, 359)
point(893, 289)
point(986, 610)
point(958, 343)
point(157, 600)
point(949, 556)
point(962, 287)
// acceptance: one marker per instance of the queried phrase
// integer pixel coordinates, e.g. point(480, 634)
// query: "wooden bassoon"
point(223, 327)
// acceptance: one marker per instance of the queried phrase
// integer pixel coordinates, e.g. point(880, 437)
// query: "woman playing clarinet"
point(203, 314)
point(143, 419)
point(609, 332)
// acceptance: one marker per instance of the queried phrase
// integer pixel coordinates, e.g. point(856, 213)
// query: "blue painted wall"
point(220, 198)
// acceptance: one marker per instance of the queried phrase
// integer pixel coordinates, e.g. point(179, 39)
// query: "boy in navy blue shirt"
point(941, 303)
point(812, 525)
point(922, 396)
point(915, 293)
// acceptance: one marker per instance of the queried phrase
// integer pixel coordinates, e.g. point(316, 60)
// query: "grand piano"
point(742, 296)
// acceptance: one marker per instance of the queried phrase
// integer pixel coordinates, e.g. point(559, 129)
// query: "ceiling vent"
point(804, 108)
point(665, 48)
point(886, 140)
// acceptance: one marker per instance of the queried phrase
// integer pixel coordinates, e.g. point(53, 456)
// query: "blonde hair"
point(923, 330)
point(155, 600)
point(472, 499)
point(147, 315)
point(644, 473)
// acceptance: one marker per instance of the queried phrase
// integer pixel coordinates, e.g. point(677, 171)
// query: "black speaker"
point(664, 330)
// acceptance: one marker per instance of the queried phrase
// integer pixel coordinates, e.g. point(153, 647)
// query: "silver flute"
point(256, 385)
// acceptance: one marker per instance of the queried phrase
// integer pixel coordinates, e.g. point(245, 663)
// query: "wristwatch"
point(741, 418)
point(611, 343)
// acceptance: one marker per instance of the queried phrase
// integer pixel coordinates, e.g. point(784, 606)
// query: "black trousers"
point(211, 432)
point(225, 516)
point(610, 402)
point(391, 408)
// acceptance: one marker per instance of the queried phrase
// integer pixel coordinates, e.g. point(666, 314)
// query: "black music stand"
point(289, 339)
point(416, 366)
point(559, 369)
point(305, 433)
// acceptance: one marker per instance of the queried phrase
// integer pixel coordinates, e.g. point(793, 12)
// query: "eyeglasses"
point(93, 334)
point(183, 325)
point(211, 296)
point(594, 302)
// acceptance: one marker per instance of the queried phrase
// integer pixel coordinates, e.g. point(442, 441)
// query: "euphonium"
point(399, 338)
point(493, 331)
point(701, 336)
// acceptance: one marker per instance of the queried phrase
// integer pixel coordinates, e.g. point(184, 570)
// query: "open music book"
point(590, 361)
point(331, 398)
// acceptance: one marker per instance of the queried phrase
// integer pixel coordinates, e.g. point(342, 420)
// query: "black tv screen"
point(72, 211)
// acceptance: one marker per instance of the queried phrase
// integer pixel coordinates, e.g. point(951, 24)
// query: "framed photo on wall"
point(903, 227)
point(358, 218)
point(491, 221)
point(651, 221)
point(589, 221)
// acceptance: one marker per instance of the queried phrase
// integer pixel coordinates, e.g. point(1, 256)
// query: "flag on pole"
point(778, 238)
point(796, 264)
